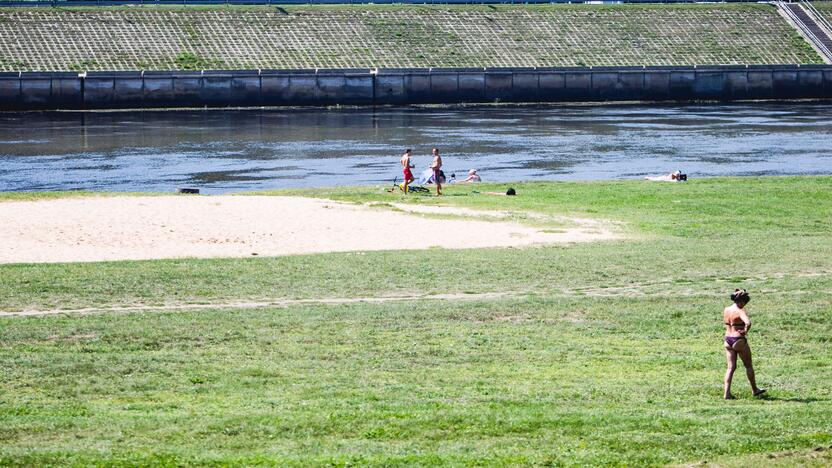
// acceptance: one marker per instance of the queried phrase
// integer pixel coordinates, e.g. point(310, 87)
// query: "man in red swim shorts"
point(408, 176)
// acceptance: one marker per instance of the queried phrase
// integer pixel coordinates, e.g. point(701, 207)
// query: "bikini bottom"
point(730, 340)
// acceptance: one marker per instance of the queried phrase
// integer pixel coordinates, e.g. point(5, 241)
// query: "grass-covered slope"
point(825, 8)
point(150, 38)
point(606, 354)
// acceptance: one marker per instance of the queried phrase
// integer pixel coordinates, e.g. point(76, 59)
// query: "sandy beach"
point(88, 229)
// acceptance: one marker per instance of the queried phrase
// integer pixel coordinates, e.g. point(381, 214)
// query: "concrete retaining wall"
point(127, 90)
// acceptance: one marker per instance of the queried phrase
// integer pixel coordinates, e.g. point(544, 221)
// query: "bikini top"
point(736, 324)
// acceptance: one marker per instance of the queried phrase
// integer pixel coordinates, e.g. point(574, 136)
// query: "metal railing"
point(816, 41)
point(817, 16)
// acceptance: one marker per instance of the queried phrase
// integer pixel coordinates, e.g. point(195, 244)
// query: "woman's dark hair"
point(740, 295)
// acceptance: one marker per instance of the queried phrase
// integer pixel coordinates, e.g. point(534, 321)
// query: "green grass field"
point(607, 353)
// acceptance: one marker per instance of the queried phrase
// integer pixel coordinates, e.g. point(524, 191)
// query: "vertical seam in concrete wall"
point(746, 92)
point(591, 84)
point(643, 91)
point(537, 87)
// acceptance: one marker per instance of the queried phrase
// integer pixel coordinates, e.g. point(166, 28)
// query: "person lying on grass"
point(674, 176)
point(737, 325)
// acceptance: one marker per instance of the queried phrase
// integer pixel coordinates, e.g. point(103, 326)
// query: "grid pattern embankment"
point(396, 36)
point(825, 8)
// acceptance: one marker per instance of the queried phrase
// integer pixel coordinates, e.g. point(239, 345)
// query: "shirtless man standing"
point(406, 166)
point(436, 165)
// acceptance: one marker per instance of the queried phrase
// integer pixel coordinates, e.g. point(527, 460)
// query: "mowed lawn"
point(606, 353)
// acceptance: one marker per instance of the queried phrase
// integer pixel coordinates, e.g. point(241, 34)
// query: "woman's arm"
point(746, 320)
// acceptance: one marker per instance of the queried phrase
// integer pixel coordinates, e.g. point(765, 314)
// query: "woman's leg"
point(731, 357)
point(744, 351)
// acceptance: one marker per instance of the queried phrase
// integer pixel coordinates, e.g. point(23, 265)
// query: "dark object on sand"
point(683, 177)
point(188, 190)
point(510, 191)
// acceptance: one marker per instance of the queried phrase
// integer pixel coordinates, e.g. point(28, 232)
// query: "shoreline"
point(21, 195)
point(434, 106)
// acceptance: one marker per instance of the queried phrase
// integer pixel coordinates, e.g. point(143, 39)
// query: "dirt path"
point(278, 303)
point(138, 228)
point(632, 290)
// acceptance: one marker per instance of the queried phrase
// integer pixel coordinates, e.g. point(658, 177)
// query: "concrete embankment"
point(379, 55)
point(395, 36)
point(27, 91)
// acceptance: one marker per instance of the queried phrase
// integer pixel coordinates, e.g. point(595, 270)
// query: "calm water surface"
point(235, 150)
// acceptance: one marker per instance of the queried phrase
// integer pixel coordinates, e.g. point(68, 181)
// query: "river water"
point(238, 150)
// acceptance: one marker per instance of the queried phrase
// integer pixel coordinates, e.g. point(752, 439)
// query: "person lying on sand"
point(674, 176)
point(737, 325)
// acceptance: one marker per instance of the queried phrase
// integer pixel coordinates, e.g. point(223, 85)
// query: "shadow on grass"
point(790, 399)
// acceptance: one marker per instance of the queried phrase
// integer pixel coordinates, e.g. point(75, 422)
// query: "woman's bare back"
point(736, 321)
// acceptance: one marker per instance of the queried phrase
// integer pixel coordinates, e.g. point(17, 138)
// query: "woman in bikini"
point(737, 325)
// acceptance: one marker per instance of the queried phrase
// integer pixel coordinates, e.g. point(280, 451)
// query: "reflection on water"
point(233, 150)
